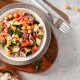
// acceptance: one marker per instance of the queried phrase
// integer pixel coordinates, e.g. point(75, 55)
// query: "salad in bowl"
point(21, 34)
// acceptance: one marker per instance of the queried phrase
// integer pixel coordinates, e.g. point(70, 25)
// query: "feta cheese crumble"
point(6, 76)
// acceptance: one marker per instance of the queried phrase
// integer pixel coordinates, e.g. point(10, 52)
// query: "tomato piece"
point(3, 33)
point(25, 43)
point(5, 28)
point(21, 15)
point(34, 48)
point(34, 35)
point(2, 39)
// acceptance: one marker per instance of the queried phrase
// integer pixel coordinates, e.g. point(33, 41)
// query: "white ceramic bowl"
point(42, 18)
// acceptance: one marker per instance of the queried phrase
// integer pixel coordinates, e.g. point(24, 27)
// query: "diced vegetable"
point(17, 24)
point(41, 33)
point(38, 41)
point(8, 42)
point(25, 43)
point(15, 49)
point(34, 48)
point(6, 47)
point(29, 27)
point(2, 39)
point(27, 50)
point(22, 54)
point(24, 28)
point(7, 53)
point(36, 28)
point(29, 31)
point(13, 28)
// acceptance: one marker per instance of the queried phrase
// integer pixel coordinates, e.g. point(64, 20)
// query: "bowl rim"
point(41, 23)
point(48, 32)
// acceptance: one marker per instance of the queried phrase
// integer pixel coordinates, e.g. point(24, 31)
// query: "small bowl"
point(43, 19)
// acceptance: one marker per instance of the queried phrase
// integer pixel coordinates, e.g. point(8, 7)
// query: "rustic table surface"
point(67, 65)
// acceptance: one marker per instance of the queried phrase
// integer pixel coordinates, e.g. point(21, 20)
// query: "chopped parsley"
point(11, 32)
point(37, 64)
point(18, 32)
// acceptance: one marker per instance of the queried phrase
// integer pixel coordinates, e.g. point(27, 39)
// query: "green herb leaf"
point(38, 67)
point(34, 42)
point(11, 32)
point(37, 64)
point(18, 32)
point(18, 44)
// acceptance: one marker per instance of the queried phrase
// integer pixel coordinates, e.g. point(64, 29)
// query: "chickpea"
point(29, 31)
point(8, 42)
point(15, 15)
point(10, 16)
point(67, 7)
point(76, 8)
point(29, 27)
point(25, 18)
point(7, 53)
point(24, 28)
point(13, 28)
point(31, 42)
point(16, 36)
point(20, 40)
point(17, 39)
point(14, 40)
point(6, 37)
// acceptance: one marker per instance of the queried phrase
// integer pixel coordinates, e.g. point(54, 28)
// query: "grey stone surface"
point(67, 65)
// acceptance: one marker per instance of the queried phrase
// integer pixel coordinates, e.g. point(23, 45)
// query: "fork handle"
point(63, 15)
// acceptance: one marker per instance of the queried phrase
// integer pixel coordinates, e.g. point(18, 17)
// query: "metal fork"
point(58, 22)
point(61, 25)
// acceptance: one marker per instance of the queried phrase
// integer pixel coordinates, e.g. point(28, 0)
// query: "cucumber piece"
point(40, 33)
point(27, 50)
point(6, 47)
point(36, 28)
point(17, 24)
point(15, 49)
point(38, 41)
